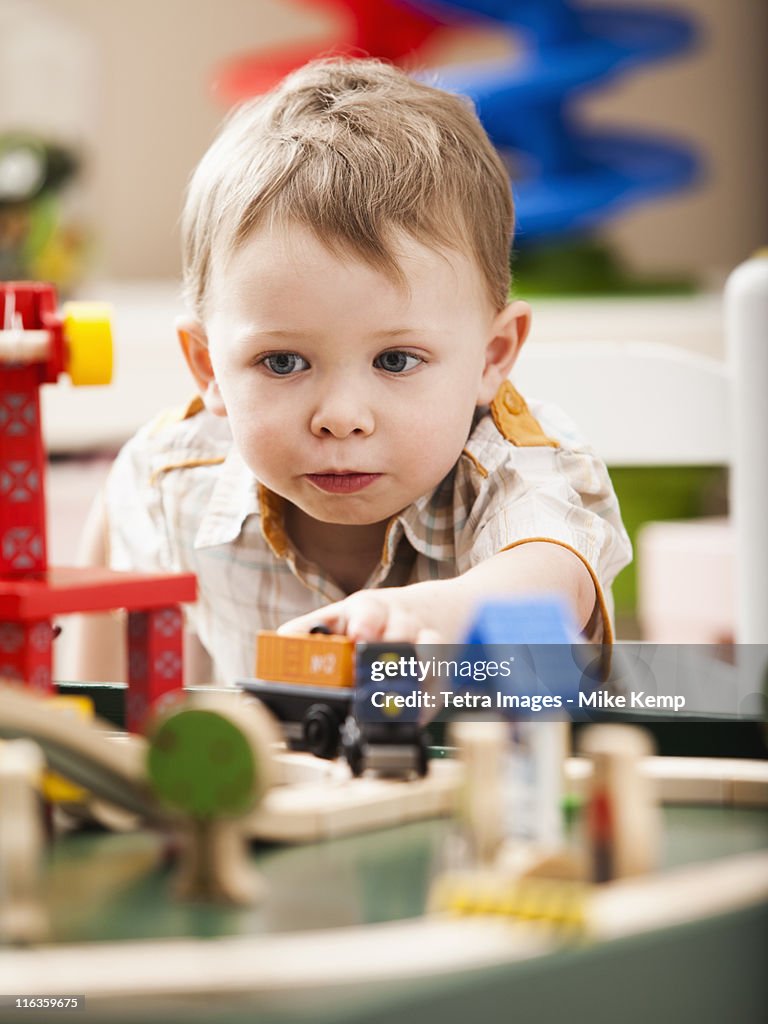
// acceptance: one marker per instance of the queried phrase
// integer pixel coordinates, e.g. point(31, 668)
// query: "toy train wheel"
point(355, 758)
point(422, 758)
point(321, 732)
point(88, 336)
point(352, 745)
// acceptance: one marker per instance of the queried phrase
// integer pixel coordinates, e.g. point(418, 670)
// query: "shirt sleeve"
point(136, 532)
point(561, 494)
point(153, 497)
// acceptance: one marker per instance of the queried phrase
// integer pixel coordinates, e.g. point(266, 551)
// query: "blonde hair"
point(356, 151)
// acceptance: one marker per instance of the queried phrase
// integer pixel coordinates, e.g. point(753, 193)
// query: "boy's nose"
point(342, 413)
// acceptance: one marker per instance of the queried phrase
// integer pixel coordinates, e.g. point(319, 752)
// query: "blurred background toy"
point(567, 177)
point(37, 241)
point(48, 93)
point(23, 918)
point(209, 760)
point(394, 30)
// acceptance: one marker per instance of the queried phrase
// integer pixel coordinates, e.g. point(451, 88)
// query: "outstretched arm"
point(440, 610)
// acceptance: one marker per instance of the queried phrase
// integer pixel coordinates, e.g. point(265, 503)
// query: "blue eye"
point(283, 364)
point(396, 361)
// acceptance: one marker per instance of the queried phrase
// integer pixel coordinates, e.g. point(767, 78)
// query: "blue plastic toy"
point(567, 177)
point(537, 637)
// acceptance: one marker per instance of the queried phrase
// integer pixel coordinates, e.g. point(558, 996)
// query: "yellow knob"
point(88, 335)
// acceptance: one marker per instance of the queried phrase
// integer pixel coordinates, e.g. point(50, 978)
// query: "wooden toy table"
point(341, 937)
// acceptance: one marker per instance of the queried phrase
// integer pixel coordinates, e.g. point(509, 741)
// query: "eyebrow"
point(276, 333)
point(397, 332)
point(283, 333)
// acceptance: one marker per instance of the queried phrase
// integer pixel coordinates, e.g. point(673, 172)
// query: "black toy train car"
point(380, 732)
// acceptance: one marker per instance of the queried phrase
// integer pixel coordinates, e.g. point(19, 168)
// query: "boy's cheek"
point(267, 447)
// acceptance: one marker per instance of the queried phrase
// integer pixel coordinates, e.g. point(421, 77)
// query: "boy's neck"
point(348, 554)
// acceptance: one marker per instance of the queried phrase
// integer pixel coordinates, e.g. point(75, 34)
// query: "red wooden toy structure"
point(37, 344)
point(388, 29)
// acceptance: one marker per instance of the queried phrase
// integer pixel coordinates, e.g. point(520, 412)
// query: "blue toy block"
point(534, 620)
point(539, 636)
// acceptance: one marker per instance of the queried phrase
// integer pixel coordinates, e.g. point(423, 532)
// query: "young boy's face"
point(347, 394)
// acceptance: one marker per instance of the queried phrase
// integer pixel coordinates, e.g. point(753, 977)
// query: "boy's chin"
point(351, 518)
point(345, 516)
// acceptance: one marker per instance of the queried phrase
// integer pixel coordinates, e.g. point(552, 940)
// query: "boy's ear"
point(507, 336)
point(194, 345)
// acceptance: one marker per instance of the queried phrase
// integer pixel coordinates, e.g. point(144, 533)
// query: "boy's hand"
point(394, 613)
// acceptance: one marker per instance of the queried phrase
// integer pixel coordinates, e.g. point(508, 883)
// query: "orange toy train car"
point(307, 683)
point(317, 659)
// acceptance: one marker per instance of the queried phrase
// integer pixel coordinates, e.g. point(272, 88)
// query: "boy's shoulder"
point(184, 437)
point(169, 418)
point(188, 424)
point(514, 429)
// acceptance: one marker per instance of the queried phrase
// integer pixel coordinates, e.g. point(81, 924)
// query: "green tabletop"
point(111, 886)
point(106, 887)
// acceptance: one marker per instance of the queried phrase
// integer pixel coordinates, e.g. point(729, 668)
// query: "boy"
point(356, 456)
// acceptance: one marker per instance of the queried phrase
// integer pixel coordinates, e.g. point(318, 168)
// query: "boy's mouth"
point(342, 483)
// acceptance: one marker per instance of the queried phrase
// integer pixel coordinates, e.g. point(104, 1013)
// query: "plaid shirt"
point(180, 498)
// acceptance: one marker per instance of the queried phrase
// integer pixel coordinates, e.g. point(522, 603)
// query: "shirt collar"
point(237, 495)
point(428, 524)
point(234, 498)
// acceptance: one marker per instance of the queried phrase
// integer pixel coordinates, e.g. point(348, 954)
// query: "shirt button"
point(512, 402)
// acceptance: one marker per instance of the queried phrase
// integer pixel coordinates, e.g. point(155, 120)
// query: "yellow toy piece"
point(559, 904)
point(57, 789)
point(88, 335)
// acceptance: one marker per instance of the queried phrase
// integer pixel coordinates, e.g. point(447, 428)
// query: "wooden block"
point(340, 805)
point(689, 780)
point(155, 661)
point(689, 893)
point(622, 816)
point(91, 589)
point(85, 752)
point(23, 918)
point(748, 782)
point(692, 780)
point(294, 766)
